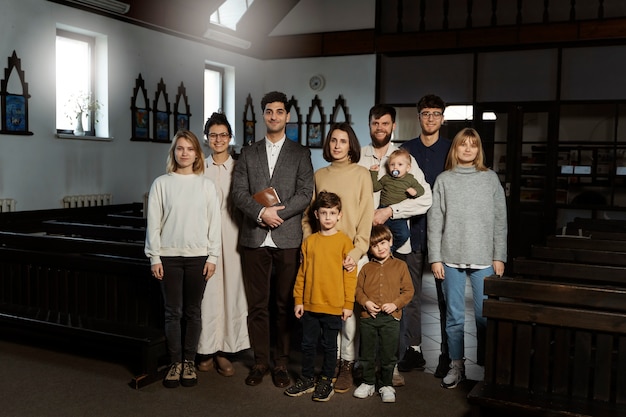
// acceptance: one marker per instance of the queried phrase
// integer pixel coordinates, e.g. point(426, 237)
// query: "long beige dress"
point(224, 306)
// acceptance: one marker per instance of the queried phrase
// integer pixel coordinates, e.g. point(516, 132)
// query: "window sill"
point(85, 137)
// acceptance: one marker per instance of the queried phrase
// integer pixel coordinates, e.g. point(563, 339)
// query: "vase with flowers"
point(81, 105)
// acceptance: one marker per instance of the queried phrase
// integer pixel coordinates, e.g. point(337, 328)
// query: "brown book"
point(267, 197)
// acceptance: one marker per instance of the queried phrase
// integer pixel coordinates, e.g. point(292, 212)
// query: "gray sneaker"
point(172, 379)
point(455, 375)
point(189, 378)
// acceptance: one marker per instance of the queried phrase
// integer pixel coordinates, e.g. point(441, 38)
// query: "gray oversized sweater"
point(467, 221)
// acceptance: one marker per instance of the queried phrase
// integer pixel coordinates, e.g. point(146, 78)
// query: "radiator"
point(87, 200)
point(7, 204)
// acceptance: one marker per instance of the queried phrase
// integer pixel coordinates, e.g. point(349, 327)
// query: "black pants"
point(183, 288)
point(267, 270)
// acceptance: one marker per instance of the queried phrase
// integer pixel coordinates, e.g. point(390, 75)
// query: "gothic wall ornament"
point(14, 102)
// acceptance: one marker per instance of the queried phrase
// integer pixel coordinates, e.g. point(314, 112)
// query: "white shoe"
point(364, 391)
point(388, 394)
point(455, 375)
point(397, 379)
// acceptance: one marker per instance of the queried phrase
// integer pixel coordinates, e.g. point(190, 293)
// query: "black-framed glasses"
point(223, 135)
point(434, 115)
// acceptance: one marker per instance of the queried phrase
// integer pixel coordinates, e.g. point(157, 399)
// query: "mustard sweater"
point(322, 285)
point(353, 184)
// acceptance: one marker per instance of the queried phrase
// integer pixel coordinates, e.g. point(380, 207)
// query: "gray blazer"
point(293, 181)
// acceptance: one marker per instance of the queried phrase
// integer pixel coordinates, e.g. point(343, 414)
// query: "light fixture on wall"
point(113, 6)
point(218, 36)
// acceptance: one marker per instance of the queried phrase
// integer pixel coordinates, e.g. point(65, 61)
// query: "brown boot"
point(344, 380)
point(223, 365)
point(206, 366)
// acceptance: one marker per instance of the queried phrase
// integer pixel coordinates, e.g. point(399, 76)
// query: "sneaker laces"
point(189, 369)
point(174, 371)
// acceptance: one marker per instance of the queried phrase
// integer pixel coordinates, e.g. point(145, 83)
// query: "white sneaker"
point(388, 394)
point(455, 375)
point(364, 391)
point(397, 379)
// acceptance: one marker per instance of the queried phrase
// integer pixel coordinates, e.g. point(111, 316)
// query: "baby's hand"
point(374, 168)
point(411, 191)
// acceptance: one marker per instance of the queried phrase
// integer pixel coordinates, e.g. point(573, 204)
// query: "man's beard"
point(384, 142)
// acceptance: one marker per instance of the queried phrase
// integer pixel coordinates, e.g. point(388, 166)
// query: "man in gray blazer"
point(271, 236)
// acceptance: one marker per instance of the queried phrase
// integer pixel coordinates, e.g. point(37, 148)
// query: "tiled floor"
point(431, 333)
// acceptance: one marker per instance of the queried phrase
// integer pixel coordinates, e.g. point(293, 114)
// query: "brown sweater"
point(384, 282)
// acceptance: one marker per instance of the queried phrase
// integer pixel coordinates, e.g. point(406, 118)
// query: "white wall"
point(39, 170)
point(352, 77)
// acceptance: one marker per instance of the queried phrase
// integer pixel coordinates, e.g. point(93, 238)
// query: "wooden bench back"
point(556, 338)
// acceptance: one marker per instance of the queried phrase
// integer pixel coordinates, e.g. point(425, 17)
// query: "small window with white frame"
point(77, 106)
point(213, 90)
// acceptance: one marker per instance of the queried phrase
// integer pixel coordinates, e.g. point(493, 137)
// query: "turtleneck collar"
point(465, 170)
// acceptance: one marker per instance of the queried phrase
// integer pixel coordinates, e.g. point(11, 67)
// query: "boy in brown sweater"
point(383, 288)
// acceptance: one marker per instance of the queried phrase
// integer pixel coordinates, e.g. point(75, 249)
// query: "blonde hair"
point(198, 164)
point(464, 135)
point(398, 153)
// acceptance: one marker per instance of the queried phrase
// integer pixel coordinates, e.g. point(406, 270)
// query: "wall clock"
point(316, 83)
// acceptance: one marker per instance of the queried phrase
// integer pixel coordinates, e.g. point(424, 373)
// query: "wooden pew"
point(553, 349)
point(556, 332)
point(95, 292)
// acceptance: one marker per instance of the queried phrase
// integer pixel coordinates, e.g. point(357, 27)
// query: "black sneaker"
point(323, 389)
point(443, 367)
point(412, 359)
point(302, 386)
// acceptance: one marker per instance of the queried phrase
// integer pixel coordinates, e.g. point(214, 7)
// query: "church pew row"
point(94, 292)
point(553, 349)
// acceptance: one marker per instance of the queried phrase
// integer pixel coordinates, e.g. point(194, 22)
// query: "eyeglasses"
point(427, 114)
point(223, 135)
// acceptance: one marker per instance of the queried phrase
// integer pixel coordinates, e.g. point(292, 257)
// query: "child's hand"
point(411, 191)
point(374, 168)
point(346, 314)
point(298, 310)
point(349, 264)
point(389, 308)
point(372, 308)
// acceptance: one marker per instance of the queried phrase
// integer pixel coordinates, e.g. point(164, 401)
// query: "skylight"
point(230, 12)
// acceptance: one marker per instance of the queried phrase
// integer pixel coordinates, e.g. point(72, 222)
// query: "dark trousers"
point(265, 271)
point(381, 332)
point(319, 326)
point(411, 323)
point(183, 287)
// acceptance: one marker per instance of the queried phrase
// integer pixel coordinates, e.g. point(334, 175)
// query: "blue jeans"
point(454, 290)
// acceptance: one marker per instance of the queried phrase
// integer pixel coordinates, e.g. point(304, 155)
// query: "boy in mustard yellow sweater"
point(323, 297)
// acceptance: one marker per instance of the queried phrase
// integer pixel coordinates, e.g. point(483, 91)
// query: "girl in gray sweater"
point(467, 233)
